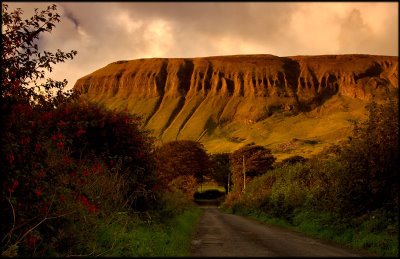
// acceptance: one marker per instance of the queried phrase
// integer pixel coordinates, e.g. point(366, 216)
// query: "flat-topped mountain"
point(227, 101)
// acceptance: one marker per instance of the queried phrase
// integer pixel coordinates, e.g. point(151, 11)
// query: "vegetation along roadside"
point(348, 193)
point(81, 180)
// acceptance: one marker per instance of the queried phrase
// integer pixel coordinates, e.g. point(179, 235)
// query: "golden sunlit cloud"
point(159, 37)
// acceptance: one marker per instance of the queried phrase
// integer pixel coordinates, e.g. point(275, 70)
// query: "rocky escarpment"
point(187, 98)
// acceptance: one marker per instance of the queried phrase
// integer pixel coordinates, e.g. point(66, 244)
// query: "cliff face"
point(187, 98)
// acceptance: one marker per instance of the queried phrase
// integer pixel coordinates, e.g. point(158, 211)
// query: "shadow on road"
point(211, 198)
point(209, 203)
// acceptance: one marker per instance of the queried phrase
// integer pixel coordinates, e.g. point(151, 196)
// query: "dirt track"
point(220, 234)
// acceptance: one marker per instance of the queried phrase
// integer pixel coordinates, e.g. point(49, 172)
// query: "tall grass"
point(124, 237)
point(124, 234)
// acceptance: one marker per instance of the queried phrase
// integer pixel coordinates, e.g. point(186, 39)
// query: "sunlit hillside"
point(292, 105)
point(303, 134)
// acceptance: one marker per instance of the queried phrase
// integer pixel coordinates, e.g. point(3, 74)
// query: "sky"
point(105, 32)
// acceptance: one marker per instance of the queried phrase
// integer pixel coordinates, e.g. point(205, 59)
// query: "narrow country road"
point(220, 234)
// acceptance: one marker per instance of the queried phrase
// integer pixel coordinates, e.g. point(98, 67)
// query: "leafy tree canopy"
point(221, 169)
point(23, 65)
point(372, 156)
point(182, 158)
point(257, 159)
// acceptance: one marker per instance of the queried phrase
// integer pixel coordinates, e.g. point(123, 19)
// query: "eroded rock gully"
point(182, 97)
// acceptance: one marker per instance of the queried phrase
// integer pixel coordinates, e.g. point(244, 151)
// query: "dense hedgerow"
point(65, 165)
point(78, 158)
point(357, 177)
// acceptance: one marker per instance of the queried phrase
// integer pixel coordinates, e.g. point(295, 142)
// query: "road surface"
point(220, 234)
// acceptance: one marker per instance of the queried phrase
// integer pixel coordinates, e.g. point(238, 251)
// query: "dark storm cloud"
point(68, 14)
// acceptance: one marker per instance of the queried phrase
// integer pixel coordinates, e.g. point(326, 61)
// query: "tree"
point(371, 158)
point(64, 163)
point(221, 169)
point(185, 160)
point(257, 161)
point(24, 95)
point(23, 65)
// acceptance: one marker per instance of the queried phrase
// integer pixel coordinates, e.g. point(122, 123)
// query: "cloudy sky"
point(105, 32)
